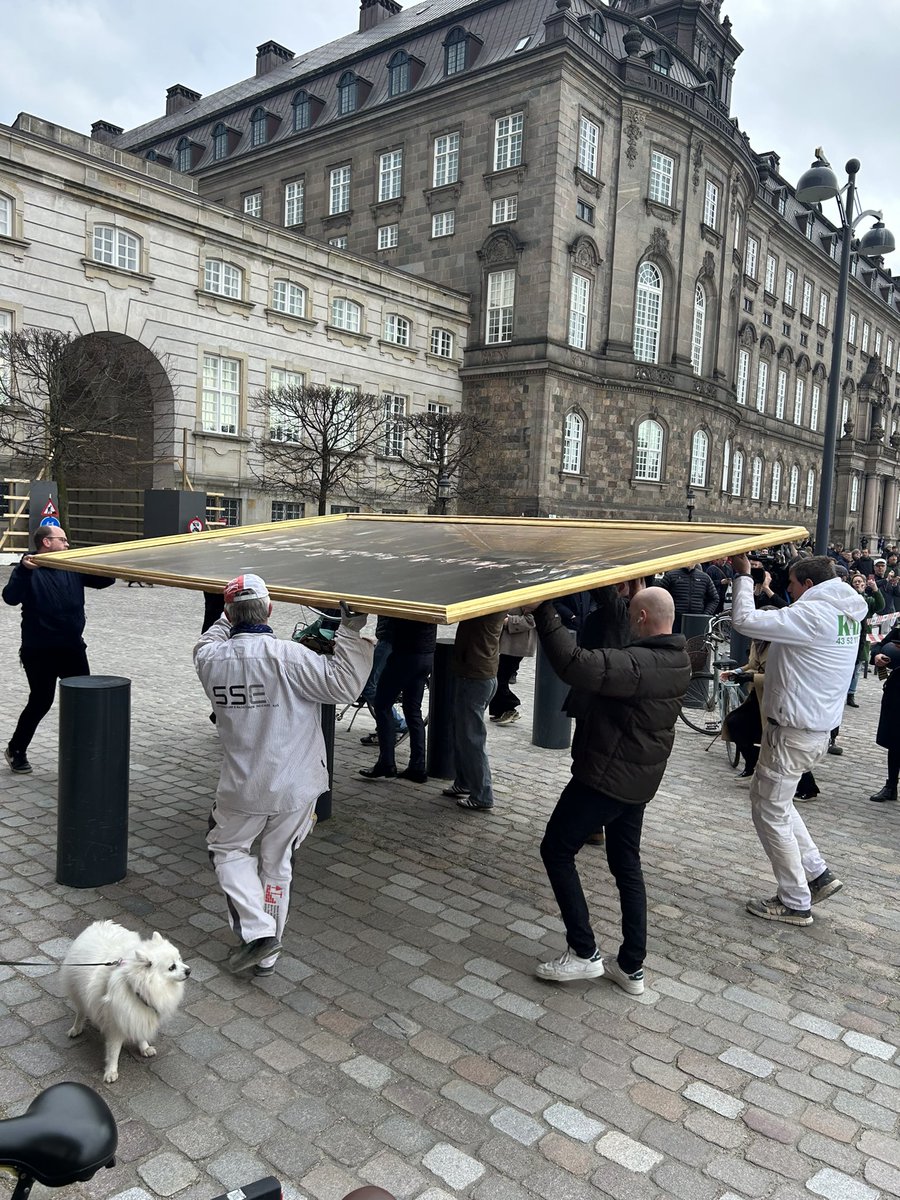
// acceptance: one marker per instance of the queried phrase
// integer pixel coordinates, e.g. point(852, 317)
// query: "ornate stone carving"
point(698, 162)
point(848, 427)
point(495, 356)
point(500, 247)
point(646, 374)
point(634, 131)
point(662, 211)
point(747, 334)
point(708, 268)
point(659, 243)
point(705, 389)
point(584, 254)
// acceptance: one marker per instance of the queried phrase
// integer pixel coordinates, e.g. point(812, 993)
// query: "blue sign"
point(50, 521)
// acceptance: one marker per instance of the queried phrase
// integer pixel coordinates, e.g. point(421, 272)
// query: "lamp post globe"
point(817, 184)
point(877, 242)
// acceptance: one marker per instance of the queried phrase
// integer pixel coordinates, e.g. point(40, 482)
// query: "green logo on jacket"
point(848, 631)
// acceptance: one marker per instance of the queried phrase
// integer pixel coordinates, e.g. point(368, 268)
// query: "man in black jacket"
point(692, 591)
point(52, 625)
point(626, 701)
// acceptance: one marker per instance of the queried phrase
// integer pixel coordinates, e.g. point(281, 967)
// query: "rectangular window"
point(748, 305)
point(579, 307)
point(443, 224)
point(799, 389)
point(508, 135)
point(865, 337)
point(815, 401)
point(293, 203)
point(806, 306)
point(253, 204)
point(288, 510)
point(756, 471)
point(505, 210)
point(388, 236)
point(441, 344)
point(339, 243)
point(339, 191)
point(781, 394)
point(394, 412)
point(762, 385)
point(662, 174)
point(5, 217)
point(889, 355)
point(751, 258)
point(771, 273)
point(877, 347)
point(823, 308)
point(743, 376)
point(711, 204)
point(767, 319)
point(584, 211)
point(786, 328)
point(446, 160)
point(851, 330)
point(284, 424)
point(221, 394)
point(6, 328)
point(222, 278)
point(790, 282)
point(588, 143)
point(390, 175)
point(501, 297)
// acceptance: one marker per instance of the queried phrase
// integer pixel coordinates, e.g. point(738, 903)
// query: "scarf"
point(250, 629)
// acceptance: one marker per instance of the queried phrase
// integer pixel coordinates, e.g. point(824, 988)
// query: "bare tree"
point(317, 440)
point(448, 446)
point(81, 408)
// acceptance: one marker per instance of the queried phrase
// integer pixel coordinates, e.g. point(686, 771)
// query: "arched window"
point(699, 329)
point(810, 487)
point(116, 248)
point(593, 26)
point(346, 314)
point(726, 464)
point(573, 444)
point(737, 473)
point(348, 92)
point(775, 493)
point(397, 329)
point(648, 451)
point(220, 142)
point(223, 278)
point(854, 493)
point(794, 485)
point(661, 62)
point(699, 458)
point(456, 47)
point(756, 476)
point(647, 313)
point(183, 155)
point(302, 111)
point(259, 127)
point(398, 73)
point(289, 298)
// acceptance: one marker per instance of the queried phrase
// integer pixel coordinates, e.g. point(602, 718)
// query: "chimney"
point(270, 55)
point(179, 97)
point(373, 12)
point(106, 132)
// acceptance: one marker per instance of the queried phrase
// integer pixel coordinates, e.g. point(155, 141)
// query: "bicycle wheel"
point(728, 701)
point(700, 708)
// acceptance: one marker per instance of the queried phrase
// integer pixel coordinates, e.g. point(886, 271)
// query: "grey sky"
point(813, 72)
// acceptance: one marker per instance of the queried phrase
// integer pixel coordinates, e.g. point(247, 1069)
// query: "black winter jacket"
point(52, 605)
point(626, 703)
point(692, 591)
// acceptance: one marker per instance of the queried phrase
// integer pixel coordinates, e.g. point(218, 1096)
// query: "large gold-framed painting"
point(437, 569)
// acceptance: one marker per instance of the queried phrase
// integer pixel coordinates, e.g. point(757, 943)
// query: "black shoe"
point(888, 792)
point(378, 772)
point(851, 702)
point(747, 773)
point(834, 748)
point(251, 954)
point(413, 776)
point(18, 761)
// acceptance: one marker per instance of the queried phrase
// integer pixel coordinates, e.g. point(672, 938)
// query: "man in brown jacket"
point(476, 653)
point(626, 702)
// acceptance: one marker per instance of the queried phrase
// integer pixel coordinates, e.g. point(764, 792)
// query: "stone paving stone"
point(869, 1045)
point(712, 1098)
point(457, 1169)
point(572, 1122)
point(627, 1152)
point(744, 1060)
point(834, 1185)
point(165, 1174)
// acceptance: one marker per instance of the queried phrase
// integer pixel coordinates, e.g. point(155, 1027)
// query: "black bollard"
point(92, 821)
point(441, 763)
point(327, 720)
point(550, 727)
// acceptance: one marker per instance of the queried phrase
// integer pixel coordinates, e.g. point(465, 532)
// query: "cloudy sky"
point(813, 72)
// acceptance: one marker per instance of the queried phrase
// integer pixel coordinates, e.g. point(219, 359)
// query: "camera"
point(758, 574)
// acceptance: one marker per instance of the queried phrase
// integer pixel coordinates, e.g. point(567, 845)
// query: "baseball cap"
point(246, 587)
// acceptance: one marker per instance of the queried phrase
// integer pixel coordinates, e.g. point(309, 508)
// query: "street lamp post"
point(690, 500)
point(817, 184)
point(444, 484)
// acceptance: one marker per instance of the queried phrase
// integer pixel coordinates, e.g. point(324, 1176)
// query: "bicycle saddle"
point(66, 1134)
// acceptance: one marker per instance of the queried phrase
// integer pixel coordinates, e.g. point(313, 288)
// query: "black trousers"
point(581, 811)
point(406, 673)
point(505, 700)
point(43, 667)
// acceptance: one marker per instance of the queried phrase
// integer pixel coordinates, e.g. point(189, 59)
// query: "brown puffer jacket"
point(625, 702)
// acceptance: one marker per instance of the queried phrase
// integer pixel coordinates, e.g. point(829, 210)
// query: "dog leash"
point(7, 963)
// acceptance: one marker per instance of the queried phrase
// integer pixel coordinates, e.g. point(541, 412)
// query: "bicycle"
point(710, 697)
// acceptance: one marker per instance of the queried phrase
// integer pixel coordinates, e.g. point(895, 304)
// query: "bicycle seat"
point(66, 1135)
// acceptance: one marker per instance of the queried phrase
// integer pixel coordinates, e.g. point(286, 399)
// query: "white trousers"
point(257, 888)
point(783, 757)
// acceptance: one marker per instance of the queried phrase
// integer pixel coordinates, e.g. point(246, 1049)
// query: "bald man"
point(625, 702)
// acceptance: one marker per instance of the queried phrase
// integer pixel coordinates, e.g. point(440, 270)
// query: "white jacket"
point(266, 695)
point(813, 649)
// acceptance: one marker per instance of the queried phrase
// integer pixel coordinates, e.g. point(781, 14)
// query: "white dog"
point(127, 999)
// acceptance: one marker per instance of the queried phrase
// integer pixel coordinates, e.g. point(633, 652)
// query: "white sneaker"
point(570, 967)
point(632, 984)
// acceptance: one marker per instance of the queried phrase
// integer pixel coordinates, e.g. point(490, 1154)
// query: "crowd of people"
point(620, 650)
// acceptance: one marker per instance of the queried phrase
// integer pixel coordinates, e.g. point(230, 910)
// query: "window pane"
point(699, 458)
point(221, 393)
point(446, 159)
point(573, 438)
point(588, 141)
point(508, 141)
point(500, 301)
point(5, 217)
point(294, 203)
point(699, 329)
point(339, 191)
point(505, 209)
point(579, 306)
point(443, 224)
point(662, 171)
point(442, 343)
point(648, 310)
point(648, 451)
point(390, 175)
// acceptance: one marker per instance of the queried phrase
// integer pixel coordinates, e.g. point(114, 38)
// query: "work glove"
point(353, 620)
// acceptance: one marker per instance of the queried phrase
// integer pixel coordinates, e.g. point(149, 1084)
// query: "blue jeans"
point(406, 673)
point(473, 772)
point(581, 811)
point(379, 658)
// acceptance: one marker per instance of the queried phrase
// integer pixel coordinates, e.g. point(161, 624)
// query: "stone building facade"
point(98, 243)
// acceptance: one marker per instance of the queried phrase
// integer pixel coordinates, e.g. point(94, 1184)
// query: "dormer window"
point(661, 62)
point(348, 93)
point(398, 74)
point(593, 26)
point(460, 50)
point(302, 108)
point(220, 142)
point(184, 155)
point(259, 127)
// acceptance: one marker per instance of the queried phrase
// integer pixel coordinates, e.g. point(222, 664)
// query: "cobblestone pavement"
point(404, 1040)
